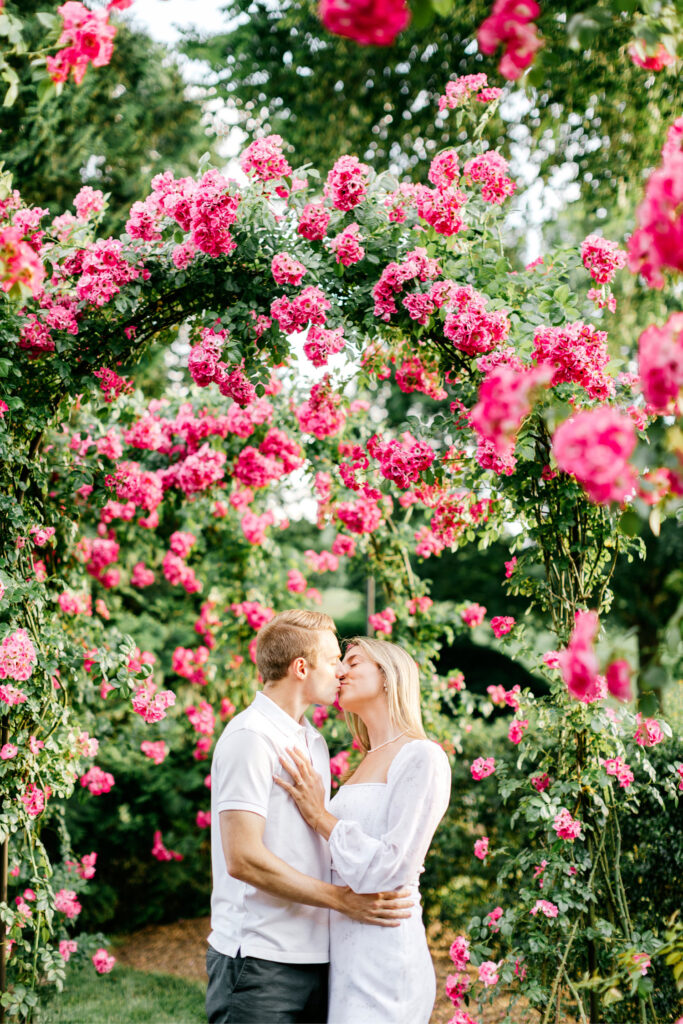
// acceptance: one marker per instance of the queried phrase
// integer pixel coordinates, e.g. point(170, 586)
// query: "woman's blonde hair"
point(402, 681)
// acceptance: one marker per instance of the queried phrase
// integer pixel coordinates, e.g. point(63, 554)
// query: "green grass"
point(125, 997)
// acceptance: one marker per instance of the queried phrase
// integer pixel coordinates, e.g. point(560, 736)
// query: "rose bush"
point(115, 505)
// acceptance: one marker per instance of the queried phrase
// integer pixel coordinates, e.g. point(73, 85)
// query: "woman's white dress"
point(385, 975)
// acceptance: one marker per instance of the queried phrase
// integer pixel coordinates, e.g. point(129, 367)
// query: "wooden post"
point(369, 603)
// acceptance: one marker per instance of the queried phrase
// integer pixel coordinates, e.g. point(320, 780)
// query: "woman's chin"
point(345, 702)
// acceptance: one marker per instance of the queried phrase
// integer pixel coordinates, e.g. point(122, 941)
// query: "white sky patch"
point(163, 19)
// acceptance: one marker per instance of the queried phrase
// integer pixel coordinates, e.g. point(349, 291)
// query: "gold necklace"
point(386, 744)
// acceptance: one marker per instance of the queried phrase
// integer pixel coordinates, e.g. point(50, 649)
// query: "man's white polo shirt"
point(246, 920)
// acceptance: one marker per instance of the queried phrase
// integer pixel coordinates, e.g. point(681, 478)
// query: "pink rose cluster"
point(88, 200)
point(489, 170)
point(264, 159)
point(256, 614)
point(206, 367)
point(66, 948)
point(347, 183)
point(505, 398)
point(413, 375)
point(97, 781)
point(473, 614)
point(102, 961)
point(189, 663)
point(470, 326)
point(150, 704)
point(33, 800)
point(511, 23)
point(20, 262)
point(339, 764)
point(382, 622)
point(111, 384)
point(502, 625)
point(313, 222)
point(66, 902)
point(481, 848)
point(578, 354)
point(286, 270)
point(657, 242)
point(401, 461)
point(660, 363)
point(461, 89)
point(17, 658)
point(441, 208)
point(321, 343)
point(204, 209)
point(517, 730)
point(160, 851)
point(322, 414)
point(86, 38)
point(367, 22)
point(482, 767)
point(602, 258)
point(567, 827)
point(458, 984)
point(650, 58)
point(595, 445)
point(323, 561)
point(416, 266)
point(544, 907)
point(622, 771)
point(347, 246)
point(155, 750)
point(360, 516)
point(292, 315)
point(276, 456)
point(648, 732)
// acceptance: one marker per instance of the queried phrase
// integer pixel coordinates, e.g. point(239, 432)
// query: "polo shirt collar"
point(284, 722)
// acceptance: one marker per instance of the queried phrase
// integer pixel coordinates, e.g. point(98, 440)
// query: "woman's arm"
point(417, 794)
point(248, 859)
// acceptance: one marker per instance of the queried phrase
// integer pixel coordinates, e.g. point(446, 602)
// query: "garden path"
point(179, 949)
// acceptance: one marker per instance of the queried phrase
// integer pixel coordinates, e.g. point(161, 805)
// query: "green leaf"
point(48, 20)
point(442, 7)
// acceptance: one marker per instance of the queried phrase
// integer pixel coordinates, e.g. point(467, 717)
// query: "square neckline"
point(418, 739)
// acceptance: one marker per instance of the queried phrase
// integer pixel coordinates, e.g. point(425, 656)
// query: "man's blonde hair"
point(402, 680)
point(289, 635)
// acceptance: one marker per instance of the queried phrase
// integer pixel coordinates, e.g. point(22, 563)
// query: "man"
point(268, 952)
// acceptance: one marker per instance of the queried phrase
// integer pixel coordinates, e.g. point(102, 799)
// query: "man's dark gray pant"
point(247, 990)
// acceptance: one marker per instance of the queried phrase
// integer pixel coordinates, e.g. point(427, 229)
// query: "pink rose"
point(660, 361)
point(481, 848)
point(483, 767)
point(595, 446)
point(102, 961)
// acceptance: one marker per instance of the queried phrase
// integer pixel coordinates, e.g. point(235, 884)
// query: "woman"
point(379, 827)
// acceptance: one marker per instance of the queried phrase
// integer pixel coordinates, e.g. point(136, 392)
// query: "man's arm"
point(248, 859)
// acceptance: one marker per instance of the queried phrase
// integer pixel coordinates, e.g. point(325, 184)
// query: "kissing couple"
point(315, 907)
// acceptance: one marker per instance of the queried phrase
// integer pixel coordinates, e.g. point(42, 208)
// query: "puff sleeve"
point(419, 782)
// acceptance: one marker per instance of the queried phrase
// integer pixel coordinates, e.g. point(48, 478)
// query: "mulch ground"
point(180, 949)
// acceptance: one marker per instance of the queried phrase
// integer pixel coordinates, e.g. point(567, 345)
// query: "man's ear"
point(299, 668)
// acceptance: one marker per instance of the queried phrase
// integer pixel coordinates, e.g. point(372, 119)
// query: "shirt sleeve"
point(242, 773)
point(419, 788)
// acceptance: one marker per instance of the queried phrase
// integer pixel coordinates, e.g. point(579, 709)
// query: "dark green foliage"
point(327, 96)
point(125, 123)
point(133, 888)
